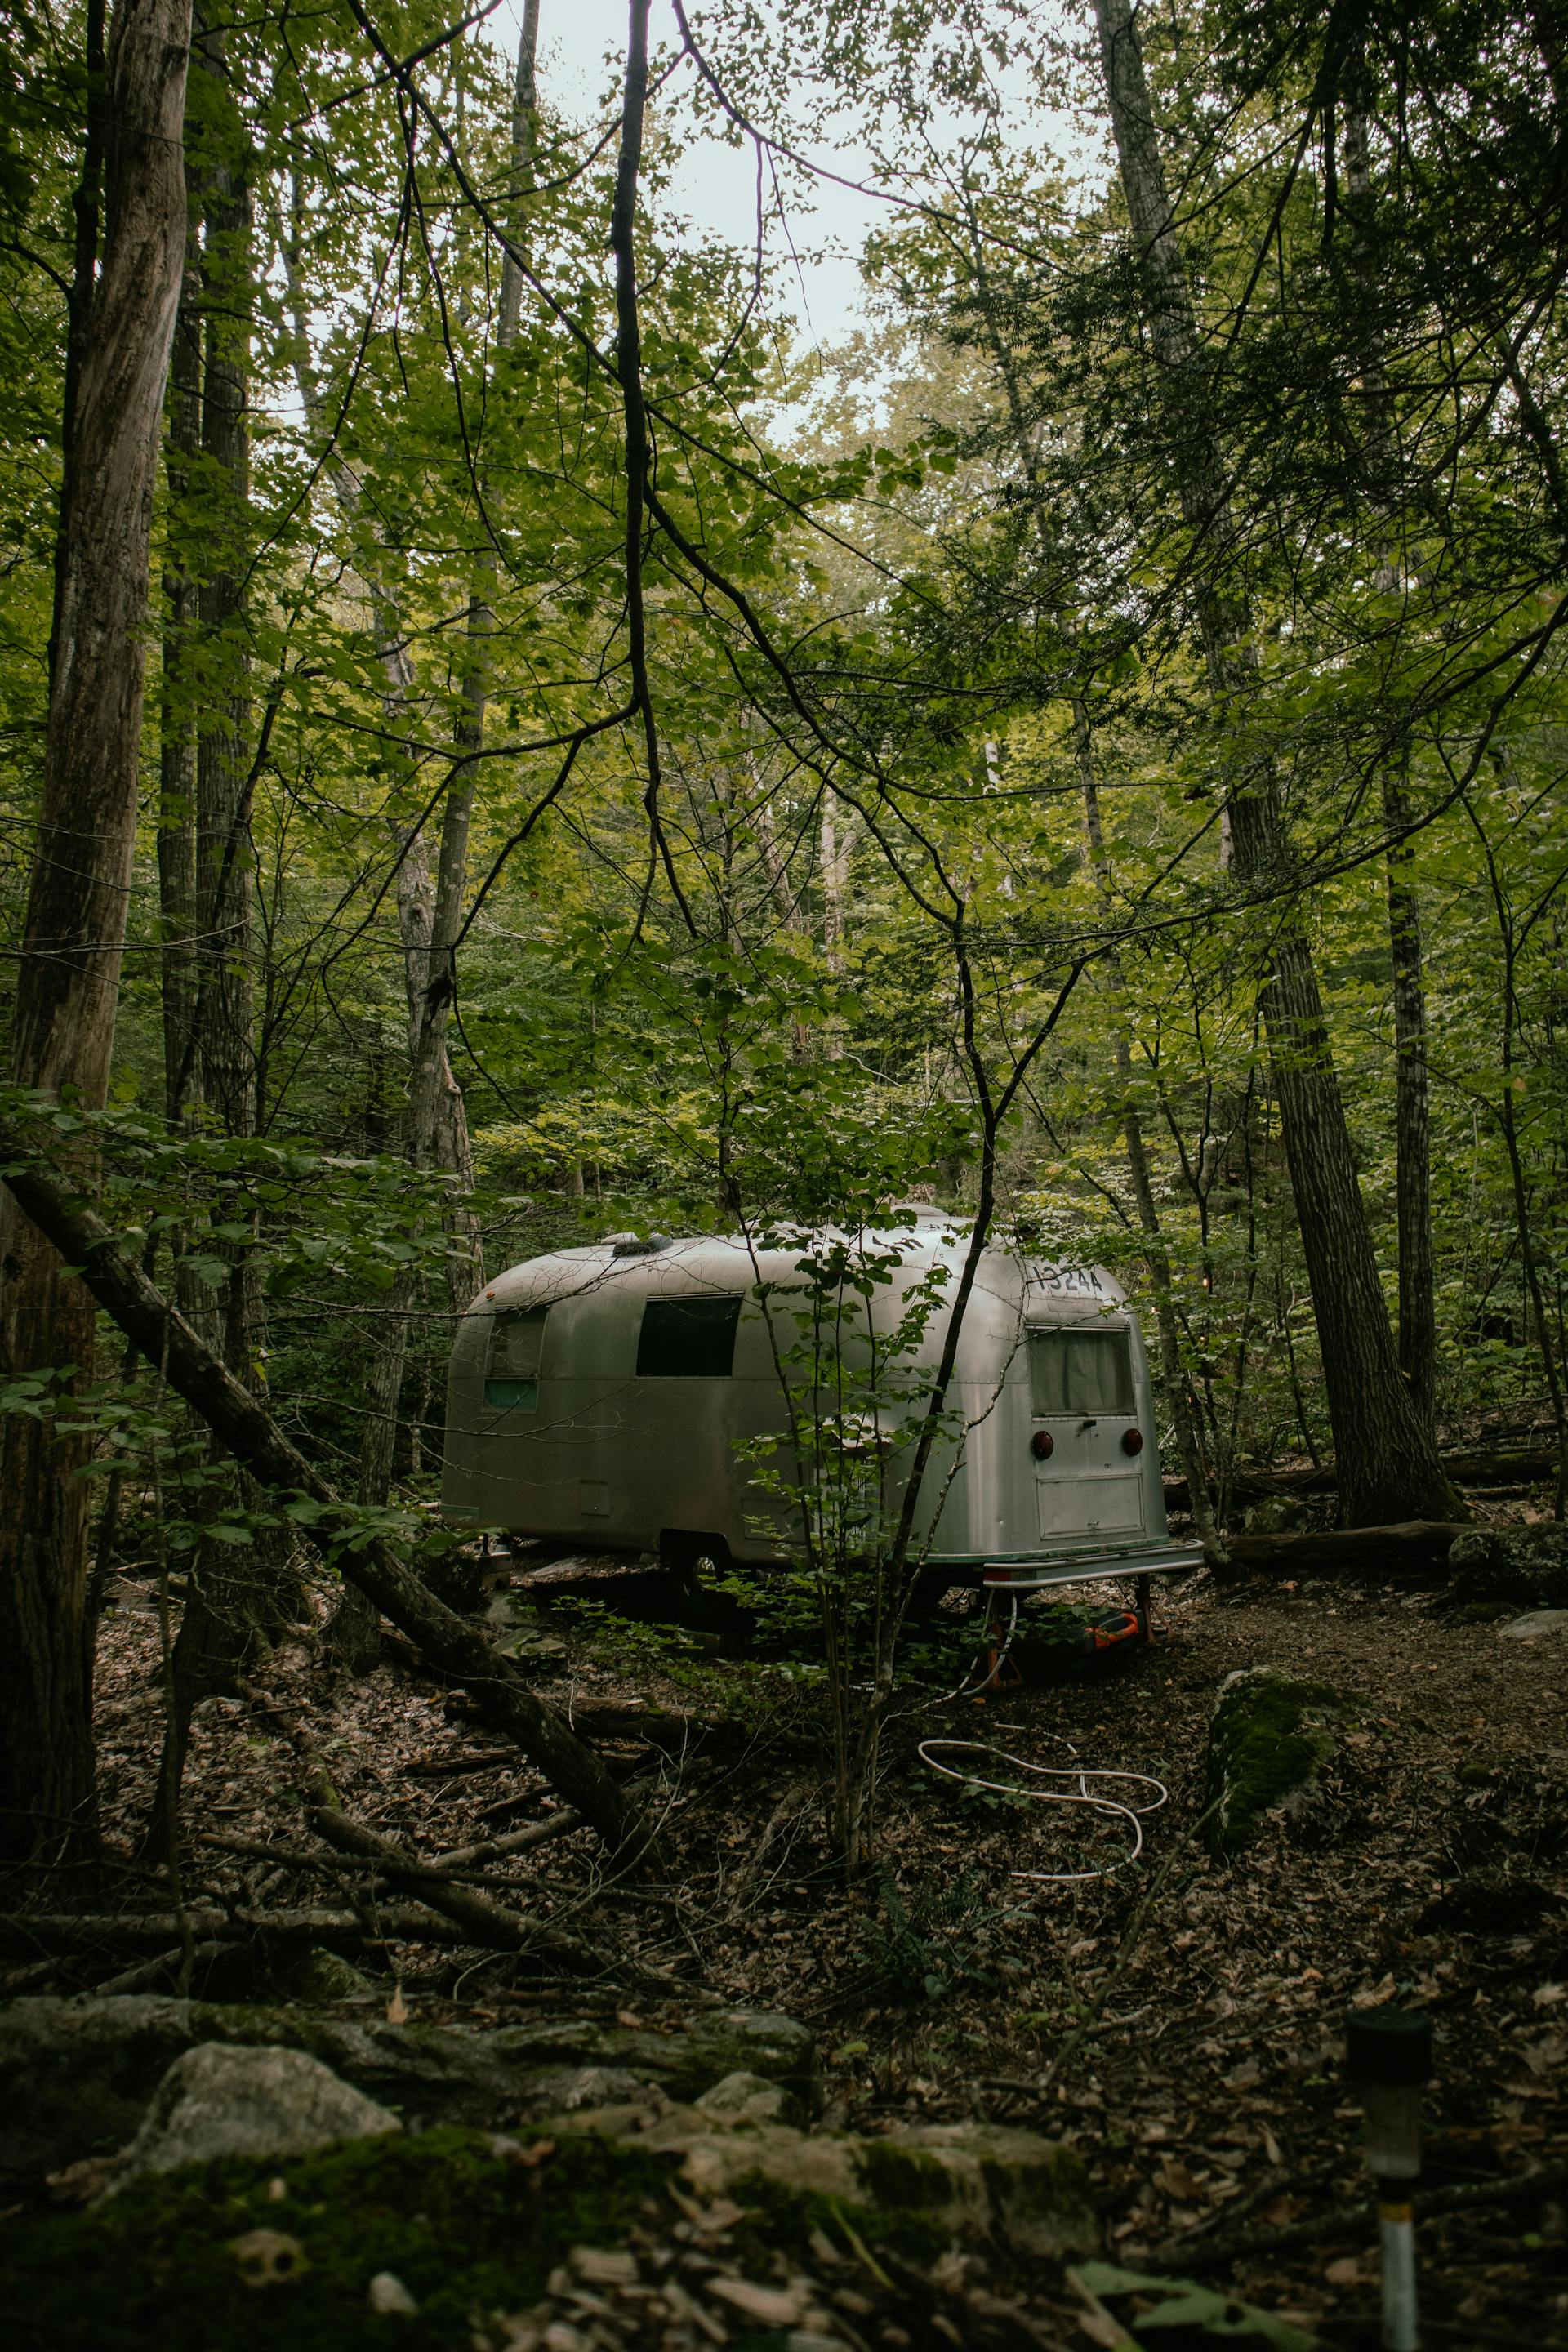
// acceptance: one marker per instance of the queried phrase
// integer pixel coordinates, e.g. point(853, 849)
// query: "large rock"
point(1523, 1564)
point(966, 2180)
point(1269, 1738)
point(1537, 1626)
point(221, 2100)
point(76, 2076)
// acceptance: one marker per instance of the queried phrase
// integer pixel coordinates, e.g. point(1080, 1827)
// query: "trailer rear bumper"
point(1015, 1576)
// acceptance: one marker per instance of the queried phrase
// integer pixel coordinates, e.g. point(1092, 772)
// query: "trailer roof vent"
point(631, 1248)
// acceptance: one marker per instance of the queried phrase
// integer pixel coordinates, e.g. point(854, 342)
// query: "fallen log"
point(155, 1931)
point(673, 1733)
point(242, 1423)
point(453, 1768)
point(1409, 1544)
point(146, 1973)
point(467, 1857)
point(498, 1849)
point(1516, 1466)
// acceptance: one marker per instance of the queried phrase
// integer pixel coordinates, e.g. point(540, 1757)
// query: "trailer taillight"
point(1133, 1441)
point(1042, 1445)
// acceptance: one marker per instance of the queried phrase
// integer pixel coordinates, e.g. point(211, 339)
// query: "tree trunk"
point(1156, 1256)
point(1411, 1118)
point(178, 738)
point(238, 1596)
point(223, 759)
point(68, 980)
point(1412, 1114)
point(1417, 1546)
point(429, 925)
point(1387, 1454)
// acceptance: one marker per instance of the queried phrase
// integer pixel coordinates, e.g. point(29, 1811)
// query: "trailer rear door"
point(1083, 1395)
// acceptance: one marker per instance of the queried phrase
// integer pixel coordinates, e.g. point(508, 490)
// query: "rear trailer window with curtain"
point(512, 1372)
point(1080, 1372)
point(687, 1338)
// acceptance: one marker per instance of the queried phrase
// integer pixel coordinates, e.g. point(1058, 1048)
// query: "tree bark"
point(1386, 1452)
point(242, 1424)
point(73, 941)
point(177, 740)
point(1412, 1115)
point(1411, 1112)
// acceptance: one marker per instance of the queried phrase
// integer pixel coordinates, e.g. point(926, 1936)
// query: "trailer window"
point(1080, 1372)
point(687, 1338)
point(517, 1344)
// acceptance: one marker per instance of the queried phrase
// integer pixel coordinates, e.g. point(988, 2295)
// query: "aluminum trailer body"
point(605, 1396)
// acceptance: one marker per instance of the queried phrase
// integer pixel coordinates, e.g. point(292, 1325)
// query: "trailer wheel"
point(690, 1557)
point(695, 1563)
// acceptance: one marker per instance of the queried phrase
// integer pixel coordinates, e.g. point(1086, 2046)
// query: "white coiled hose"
point(1133, 1814)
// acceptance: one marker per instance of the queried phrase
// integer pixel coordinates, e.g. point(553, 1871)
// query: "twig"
point(1469, 2196)
point(483, 1918)
point(1131, 1937)
point(453, 1768)
point(147, 1972)
point(515, 1841)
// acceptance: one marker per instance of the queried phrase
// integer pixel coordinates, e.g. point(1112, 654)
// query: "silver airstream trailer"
point(606, 1396)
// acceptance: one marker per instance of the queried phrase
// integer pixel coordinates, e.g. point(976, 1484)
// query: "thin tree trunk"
point(1156, 1256)
point(1387, 1451)
point(68, 980)
point(225, 1043)
point(239, 1595)
point(1524, 1226)
point(1412, 1113)
point(177, 735)
point(429, 923)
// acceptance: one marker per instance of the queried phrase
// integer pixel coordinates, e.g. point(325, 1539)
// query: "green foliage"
point(934, 1937)
point(1160, 2311)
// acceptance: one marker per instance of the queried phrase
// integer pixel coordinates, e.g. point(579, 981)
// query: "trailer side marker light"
point(1133, 1441)
point(1042, 1445)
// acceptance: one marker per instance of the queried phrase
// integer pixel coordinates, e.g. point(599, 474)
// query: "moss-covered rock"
point(470, 2226)
point(1269, 1737)
point(317, 1978)
point(76, 2076)
point(1519, 1564)
point(463, 2227)
point(932, 2183)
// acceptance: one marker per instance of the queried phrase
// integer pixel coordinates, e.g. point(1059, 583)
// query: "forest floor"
point(1180, 2026)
